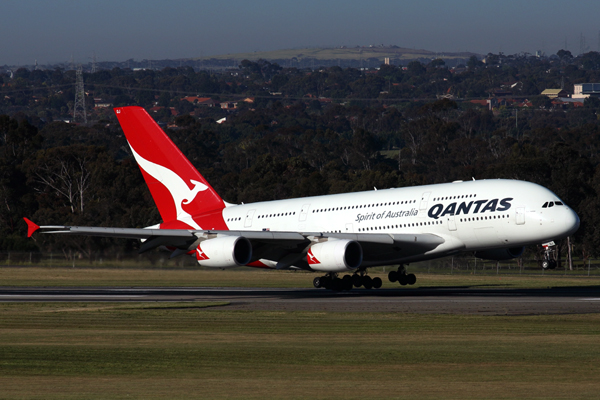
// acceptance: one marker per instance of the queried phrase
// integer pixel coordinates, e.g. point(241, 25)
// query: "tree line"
point(59, 173)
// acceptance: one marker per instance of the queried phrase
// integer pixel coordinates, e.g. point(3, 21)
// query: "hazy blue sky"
point(53, 30)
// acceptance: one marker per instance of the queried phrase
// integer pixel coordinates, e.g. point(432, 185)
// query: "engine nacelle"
point(224, 252)
point(500, 254)
point(335, 255)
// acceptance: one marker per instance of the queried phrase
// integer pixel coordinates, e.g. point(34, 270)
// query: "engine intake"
point(500, 254)
point(224, 252)
point(335, 255)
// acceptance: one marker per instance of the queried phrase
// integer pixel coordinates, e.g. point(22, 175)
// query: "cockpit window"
point(549, 204)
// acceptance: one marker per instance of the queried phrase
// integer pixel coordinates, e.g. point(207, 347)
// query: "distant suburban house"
point(554, 93)
point(567, 101)
point(102, 102)
point(479, 102)
point(489, 103)
point(585, 90)
point(200, 101)
point(228, 105)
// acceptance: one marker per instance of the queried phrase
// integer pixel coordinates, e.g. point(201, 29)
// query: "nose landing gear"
point(549, 262)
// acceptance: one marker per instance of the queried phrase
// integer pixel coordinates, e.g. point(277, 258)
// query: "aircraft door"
point(520, 216)
point(451, 223)
point(249, 217)
point(424, 200)
point(304, 212)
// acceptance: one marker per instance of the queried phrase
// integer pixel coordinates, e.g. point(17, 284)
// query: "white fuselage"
point(470, 216)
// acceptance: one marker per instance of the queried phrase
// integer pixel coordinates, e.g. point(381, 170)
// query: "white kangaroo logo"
point(179, 190)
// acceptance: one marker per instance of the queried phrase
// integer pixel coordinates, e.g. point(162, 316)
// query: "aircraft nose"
point(571, 222)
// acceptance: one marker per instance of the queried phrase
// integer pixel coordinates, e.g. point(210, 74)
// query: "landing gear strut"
point(402, 277)
point(358, 279)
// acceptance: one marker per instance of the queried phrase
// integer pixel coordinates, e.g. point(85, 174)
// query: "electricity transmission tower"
point(79, 106)
point(583, 47)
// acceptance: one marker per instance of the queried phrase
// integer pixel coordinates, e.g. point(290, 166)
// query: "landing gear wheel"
point(549, 264)
point(411, 279)
point(347, 282)
point(367, 282)
point(318, 282)
point(357, 280)
point(546, 264)
point(393, 276)
point(403, 279)
point(336, 285)
point(377, 282)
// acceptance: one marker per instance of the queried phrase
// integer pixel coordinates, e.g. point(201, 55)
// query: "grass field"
point(189, 350)
point(198, 350)
point(128, 277)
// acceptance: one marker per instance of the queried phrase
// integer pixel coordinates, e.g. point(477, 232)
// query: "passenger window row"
point(393, 203)
point(265, 216)
point(464, 196)
point(277, 215)
point(400, 226)
point(484, 218)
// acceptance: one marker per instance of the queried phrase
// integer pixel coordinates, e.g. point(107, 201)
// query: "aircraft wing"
point(271, 245)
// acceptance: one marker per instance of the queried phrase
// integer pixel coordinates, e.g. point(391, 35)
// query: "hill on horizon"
point(342, 53)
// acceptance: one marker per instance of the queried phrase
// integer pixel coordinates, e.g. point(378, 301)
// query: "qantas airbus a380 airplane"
point(335, 233)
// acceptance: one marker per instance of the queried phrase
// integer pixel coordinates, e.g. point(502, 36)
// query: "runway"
point(443, 300)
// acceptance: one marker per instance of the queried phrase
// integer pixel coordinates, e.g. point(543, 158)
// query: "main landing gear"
point(358, 279)
point(402, 277)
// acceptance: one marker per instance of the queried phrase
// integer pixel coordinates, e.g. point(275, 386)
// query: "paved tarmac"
point(443, 300)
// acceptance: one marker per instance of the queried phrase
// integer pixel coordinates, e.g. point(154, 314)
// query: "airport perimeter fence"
point(158, 260)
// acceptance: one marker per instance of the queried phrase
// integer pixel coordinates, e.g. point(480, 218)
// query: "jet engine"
point(224, 252)
point(335, 255)
point(500, 254)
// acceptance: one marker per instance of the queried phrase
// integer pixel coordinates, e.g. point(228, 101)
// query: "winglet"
point(31, 227)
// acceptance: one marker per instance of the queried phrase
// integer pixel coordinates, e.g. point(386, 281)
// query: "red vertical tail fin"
point(184, 198)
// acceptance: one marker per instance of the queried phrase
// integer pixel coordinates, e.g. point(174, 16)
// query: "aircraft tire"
point(367, 282)
point(402, 279)
point(377, 282)
point(357, 280)
point(546, 264)
point(411, 279)
point(347, 282)
point(318, 282)
point(336, 285)
point(393, 276)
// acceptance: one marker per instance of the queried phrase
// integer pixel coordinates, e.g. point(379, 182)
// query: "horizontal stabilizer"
point(31, 227)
